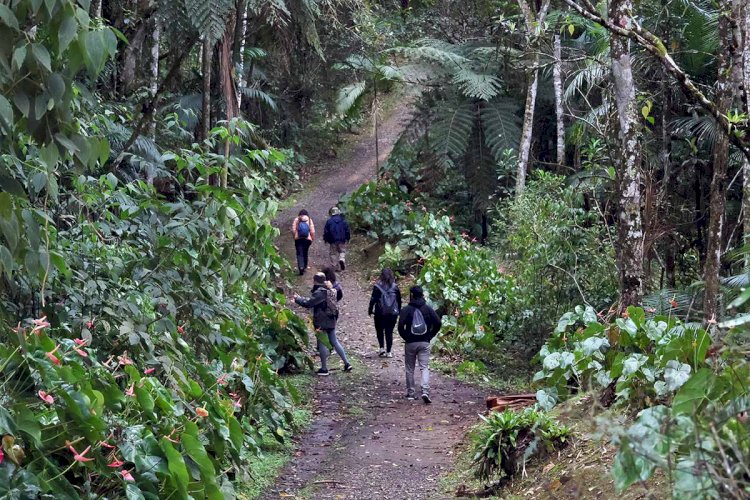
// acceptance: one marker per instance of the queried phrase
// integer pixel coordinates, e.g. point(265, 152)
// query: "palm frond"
point(348, 97)
point(256, 94)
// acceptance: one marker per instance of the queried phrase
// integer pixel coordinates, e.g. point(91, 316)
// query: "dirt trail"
point(366, 439)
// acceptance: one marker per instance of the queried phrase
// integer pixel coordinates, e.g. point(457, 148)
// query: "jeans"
point(302, 246)
point(337, 253)
point(413, 352)
point(384, 326)
point(325, 352)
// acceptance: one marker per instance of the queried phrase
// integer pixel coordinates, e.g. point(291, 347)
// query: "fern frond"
point(348, 97)
point(477, 85)
point(450, 132)
point(258, 95)
point(434, 51)
point(501, 124)
point(209, 17)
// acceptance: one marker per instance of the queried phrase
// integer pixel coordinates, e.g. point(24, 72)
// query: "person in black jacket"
point(417, 325)
point(336, 234)
point(324, 321)
point(385, 303)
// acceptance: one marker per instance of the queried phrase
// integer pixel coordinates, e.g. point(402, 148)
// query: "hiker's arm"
point(346, 230)
point(398, 298)
point(339, 293)
point(312, 230)
point(327, 233)
point(402, 325)
point(313, 301)
point(373, 300)
point(294, 227)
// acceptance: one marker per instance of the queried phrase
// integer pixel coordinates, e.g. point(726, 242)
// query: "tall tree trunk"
point(240, 29)
point(558, 85)
point(128, 71)
point(206, 68)
point(229, 92)
point(153, 85)
point(729, 40)
point(630, 226)
point(534, 22)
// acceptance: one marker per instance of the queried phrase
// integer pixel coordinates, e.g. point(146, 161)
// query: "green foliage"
point(559, 253)
point(380, 209)
point(647, 358)
point(508, 439)
point(391, 258)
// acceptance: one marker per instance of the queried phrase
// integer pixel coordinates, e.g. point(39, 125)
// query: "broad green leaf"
point(176, 465)
point(41, 54)
point(694, 392)
point(7, 16)
point(6, 114)
point(68, 32)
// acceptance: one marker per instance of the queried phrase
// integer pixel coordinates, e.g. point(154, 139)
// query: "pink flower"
point(124, 359)
point(80, 457)
point(51, 355)
point(181, 330)
point(126, 475)
point(149, 371)
point(80, 342)
point(47, 398)
point(2, 456)
point(90, 324)
point(129, 391)
point(40, 324)
point(81, 352)
point(116, 463)
point(105, 444)
point(222, 380)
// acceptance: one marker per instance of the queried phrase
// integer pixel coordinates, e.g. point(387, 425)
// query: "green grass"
point(262, 470)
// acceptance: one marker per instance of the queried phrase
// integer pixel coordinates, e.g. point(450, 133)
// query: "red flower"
point(181, 330)
point(105, 444)
point(2, 456)
point(51, 355)
point(115, 463)
point(222, 380)
point(201, 412)
point(126, 475)
point(80, 457)
point(673, 303)
point(80, 342)
point(47, 398)
point(90, 324)
point(149, 371)
point(129, 391)
point(81, 352)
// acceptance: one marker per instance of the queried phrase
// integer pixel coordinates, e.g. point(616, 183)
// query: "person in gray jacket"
point(324, 319)
point(418, 323)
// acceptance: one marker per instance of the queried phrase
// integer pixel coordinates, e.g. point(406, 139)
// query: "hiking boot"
point(301, 271)
point(322, 373)
point(389, 354)
point(347, 367)
point(381, 352)
point(343, 265)
point(426, 399)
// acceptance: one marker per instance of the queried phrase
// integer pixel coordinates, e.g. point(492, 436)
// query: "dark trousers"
point(302, 246)
point(384, 326)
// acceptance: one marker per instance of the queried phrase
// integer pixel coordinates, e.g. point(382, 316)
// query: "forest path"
point(366, 440)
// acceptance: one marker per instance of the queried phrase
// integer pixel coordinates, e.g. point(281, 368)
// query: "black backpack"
point(388, 301)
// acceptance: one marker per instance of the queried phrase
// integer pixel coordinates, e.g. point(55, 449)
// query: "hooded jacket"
point(317, 302)
point(295, 224)
point(336, 230)
point(377, 292)
point(431, 319)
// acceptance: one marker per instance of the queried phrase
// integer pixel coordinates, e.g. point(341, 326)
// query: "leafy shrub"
point(647, 359)
point(508, 439)
point(559, 253)
point(392, 258)
point(380, 209)
point(474, 295)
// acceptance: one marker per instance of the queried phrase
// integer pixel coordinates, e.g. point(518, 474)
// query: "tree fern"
point(501, 125)
point(481, 86)
point(209, 17)
point(450, 132)
point(349, 97)
point(256, 94)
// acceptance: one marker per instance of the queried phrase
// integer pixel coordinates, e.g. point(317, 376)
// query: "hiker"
point(336, 234)
point(385, 303)
point(417, 325)
point(325, 315)
point(331, 276)
point(303, 230)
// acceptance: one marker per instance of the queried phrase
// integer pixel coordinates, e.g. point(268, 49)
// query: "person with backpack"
point(303, 230)
point(418, 324)
point(385, 303)
point(325, 316)
point(336, 234)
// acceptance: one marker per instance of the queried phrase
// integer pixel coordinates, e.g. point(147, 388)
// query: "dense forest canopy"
point(573, 186)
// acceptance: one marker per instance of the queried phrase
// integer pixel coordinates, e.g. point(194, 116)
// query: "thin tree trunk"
point(630, 226)
point(725, 91)
point(534, 23)
point(154, 73)
point(206, 68)
point(229, 93)
point(746, 167)
point(558, 85)
point(96, 9)
point(240, 30)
